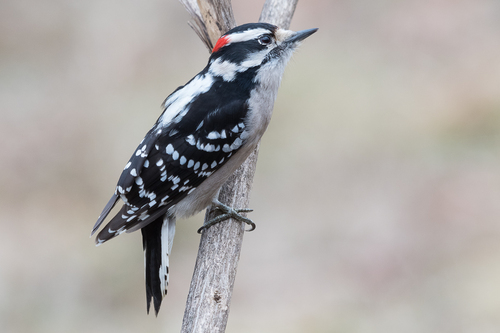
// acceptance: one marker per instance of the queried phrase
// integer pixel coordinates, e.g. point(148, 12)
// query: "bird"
point(207, 129)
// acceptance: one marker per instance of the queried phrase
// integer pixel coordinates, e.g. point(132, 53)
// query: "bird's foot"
point(228, 213)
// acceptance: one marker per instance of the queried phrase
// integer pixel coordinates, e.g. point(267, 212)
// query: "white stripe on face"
point(246, 35)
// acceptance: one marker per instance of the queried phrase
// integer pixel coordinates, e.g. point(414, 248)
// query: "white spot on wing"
point(190, 139)
point(209, 148)
point(184, 188)
point(236, 144)
point(200, 145)
point(213, 135)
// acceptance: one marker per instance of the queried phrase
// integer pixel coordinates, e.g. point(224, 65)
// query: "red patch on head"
point(220, 43)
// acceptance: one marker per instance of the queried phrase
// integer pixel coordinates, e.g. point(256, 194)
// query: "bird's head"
point(253, 45)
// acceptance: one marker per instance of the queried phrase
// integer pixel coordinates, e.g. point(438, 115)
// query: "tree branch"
point(278, 12)
point(207, 306)
point(211, 18)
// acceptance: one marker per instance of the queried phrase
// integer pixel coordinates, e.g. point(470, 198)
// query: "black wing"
point(169, 164)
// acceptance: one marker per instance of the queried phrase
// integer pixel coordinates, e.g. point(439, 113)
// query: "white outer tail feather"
point(167, 240)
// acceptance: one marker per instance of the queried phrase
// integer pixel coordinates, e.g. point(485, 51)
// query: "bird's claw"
point(228, 213)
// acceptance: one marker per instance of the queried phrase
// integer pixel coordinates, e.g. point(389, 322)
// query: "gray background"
point(377, 193)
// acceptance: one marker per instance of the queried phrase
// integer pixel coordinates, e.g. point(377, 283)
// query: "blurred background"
point(377, 193)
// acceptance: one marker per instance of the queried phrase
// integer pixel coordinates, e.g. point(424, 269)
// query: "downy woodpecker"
point(207, 129)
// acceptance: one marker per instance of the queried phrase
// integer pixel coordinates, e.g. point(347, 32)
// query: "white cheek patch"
point(254, 59)
point(228, 70)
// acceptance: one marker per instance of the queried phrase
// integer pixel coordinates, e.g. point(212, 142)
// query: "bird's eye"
point(265, 40)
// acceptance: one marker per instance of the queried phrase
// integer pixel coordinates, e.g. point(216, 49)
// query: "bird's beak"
point(301, 35)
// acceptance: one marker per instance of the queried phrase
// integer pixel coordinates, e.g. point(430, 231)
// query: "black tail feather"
point(151, 241)
point(111, 203)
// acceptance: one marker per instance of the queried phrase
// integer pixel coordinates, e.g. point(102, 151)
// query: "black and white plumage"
point(207, 129)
